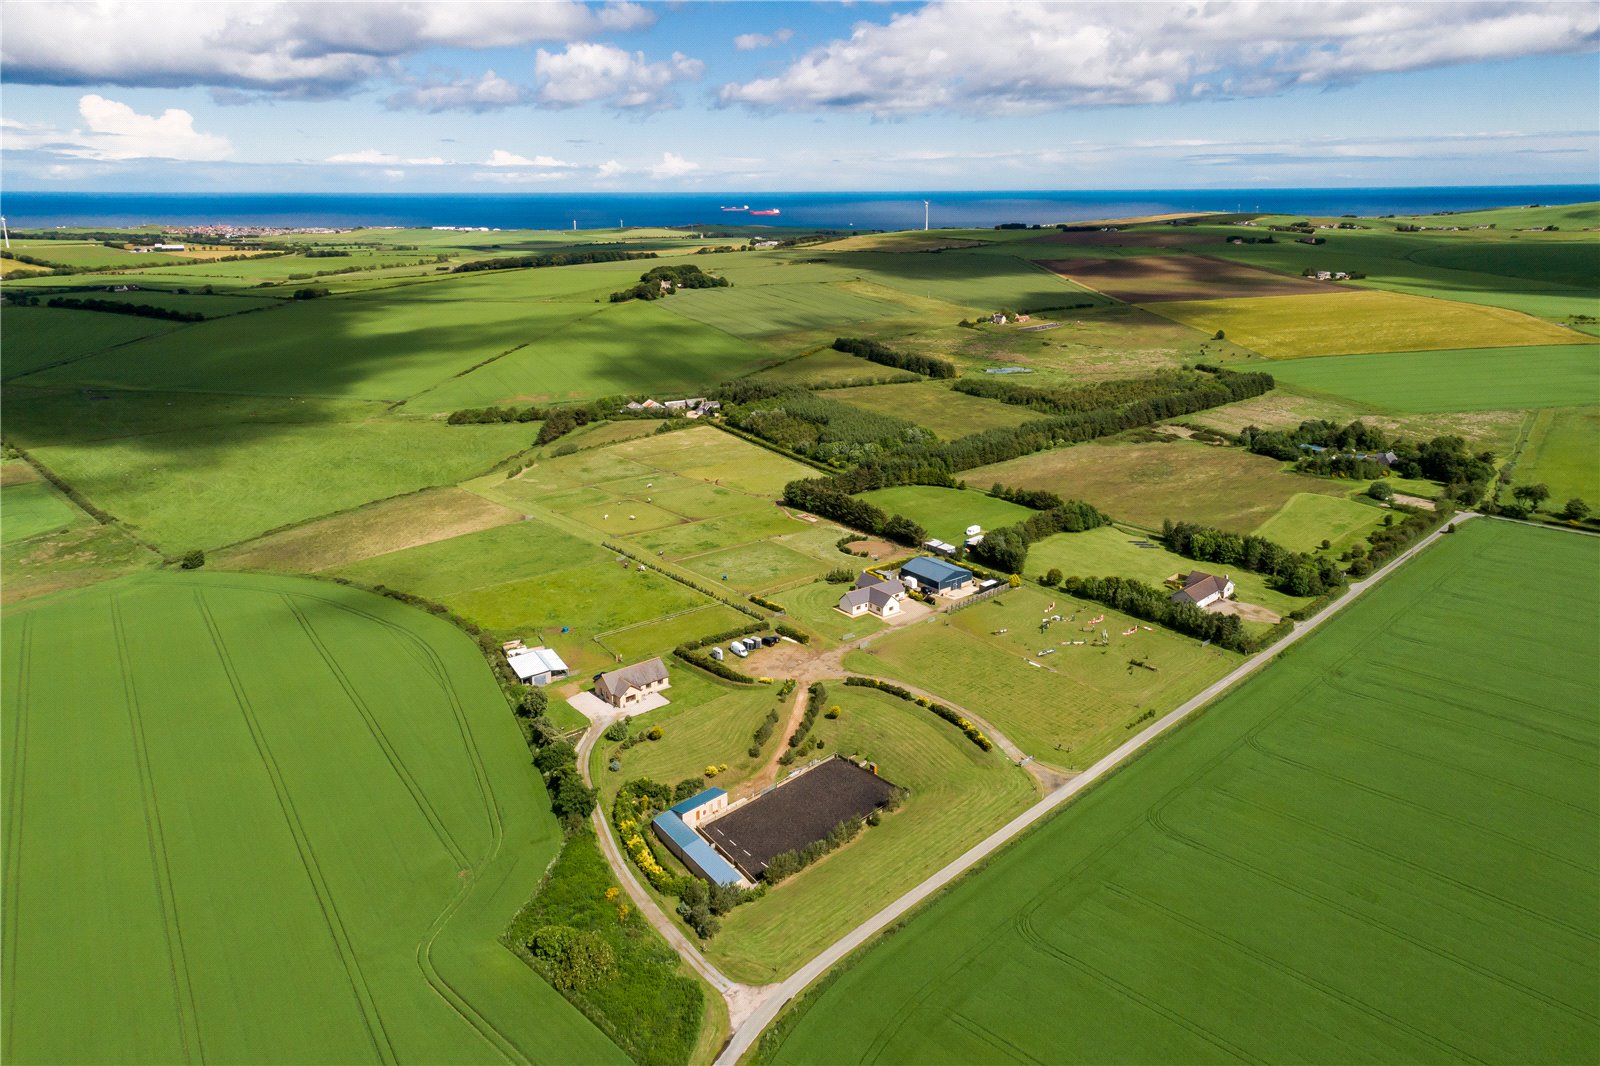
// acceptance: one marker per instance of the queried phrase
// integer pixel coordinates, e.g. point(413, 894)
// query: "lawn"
point(1113, 552)
point(1148, 483)
point(1309, 518)
point(1380, 848)
point(813, 607)
point(958, 795)
point(946, 513)
point(757, 567)
point(1079, 703)
point(302, 814)
point(1484, 379)
point(1561, 453)
point(1289, 327)
point(937, 407)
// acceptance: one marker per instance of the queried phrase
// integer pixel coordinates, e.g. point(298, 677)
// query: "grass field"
point(1112, 552)
point(935, 406)
point(1484, 379)
point(978, 282)
point(529, 580)
point(1147, 483)
point(606, 350)
point(1154, 278)
point(1287, 405)
point(1380, 848)
point(204, 486)
point(958, 794)
point(1289, 327)
point(36, 337)
point(1310, 518)
point(1078, 703)
point(946, 513)
point(315, 870)
point(1562, 452)
point(377, 529)
point(34, 507)
point(751, 311)
point(828, 367)
point(812, 606)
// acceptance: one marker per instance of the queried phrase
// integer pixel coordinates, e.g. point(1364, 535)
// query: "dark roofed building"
point(936, 575)
point(1202, 589)
point(629, 685)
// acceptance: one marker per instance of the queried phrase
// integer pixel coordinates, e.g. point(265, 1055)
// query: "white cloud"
point(603, 73)
point(114, 131)
point(672, 166)
point(610, 169)
point(502, 158)
point(308, 49)
point(1026, 56)
point(394, 175)
point(747, 42)
point(373, 157)
point(487, 93)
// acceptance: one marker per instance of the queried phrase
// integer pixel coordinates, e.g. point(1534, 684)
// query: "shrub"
point(833, 712)
point(655, 733)
point(192, 560)
point(1380, 490)
point(841, 576)
point(617, 731)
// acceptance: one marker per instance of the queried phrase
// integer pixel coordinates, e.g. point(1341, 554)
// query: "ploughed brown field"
point(1153, 279)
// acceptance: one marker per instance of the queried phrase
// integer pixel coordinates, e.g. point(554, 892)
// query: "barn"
point(936, 575)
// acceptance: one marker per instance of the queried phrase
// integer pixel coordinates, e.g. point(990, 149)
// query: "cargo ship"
point(768, 211)
point(744, 207)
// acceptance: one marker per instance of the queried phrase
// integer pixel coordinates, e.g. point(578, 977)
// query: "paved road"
point(744, 1035)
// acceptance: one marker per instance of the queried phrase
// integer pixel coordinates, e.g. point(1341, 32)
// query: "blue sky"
point(431, 97)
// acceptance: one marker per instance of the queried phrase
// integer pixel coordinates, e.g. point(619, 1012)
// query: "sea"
point(822, 210)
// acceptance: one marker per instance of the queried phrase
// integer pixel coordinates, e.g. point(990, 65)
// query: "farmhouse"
point(1202, 589)
point(675, 829)
point(936, 576)
point(534, 666)
point(873, 595)
point(627, 686)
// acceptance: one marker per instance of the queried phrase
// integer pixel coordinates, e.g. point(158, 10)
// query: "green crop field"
point(1562, 452)
point(1380, 848)
point(1113, 552)
point(946, 513)
point(980, 283)
point(935, 406)
point(958, 795)
point(1309, 518)
point(1484, 379)
point(301, 814)
point(1290, 327)
point(831, 368)
point(1148, 483)
point(1078, 703)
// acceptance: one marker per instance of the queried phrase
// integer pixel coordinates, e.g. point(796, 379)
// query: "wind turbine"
point(4, 232)
point(924, 215)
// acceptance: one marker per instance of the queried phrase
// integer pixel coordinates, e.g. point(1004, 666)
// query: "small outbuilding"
point(534, 666)
point(631, 684)
point(675, 829)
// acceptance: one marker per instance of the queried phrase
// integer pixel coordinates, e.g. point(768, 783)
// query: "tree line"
point(1156, 605)
point(113, 307)
point(874, 352)
point(1294, 573)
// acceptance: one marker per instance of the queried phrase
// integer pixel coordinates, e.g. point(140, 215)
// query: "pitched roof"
point(873, 581)
point(853, 598)
point(530, 662)
point(699, 799)
point(697, 849)
point(1199, 585)
point(638, 675)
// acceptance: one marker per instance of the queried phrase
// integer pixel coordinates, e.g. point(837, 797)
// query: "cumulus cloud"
point(114, 131)
point(280, 46)
point(1026, 56)
point(502, 158)
point(601, 73)
point(672, 166)
point(748, 42)
point(373, 157)
point(488, 93)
